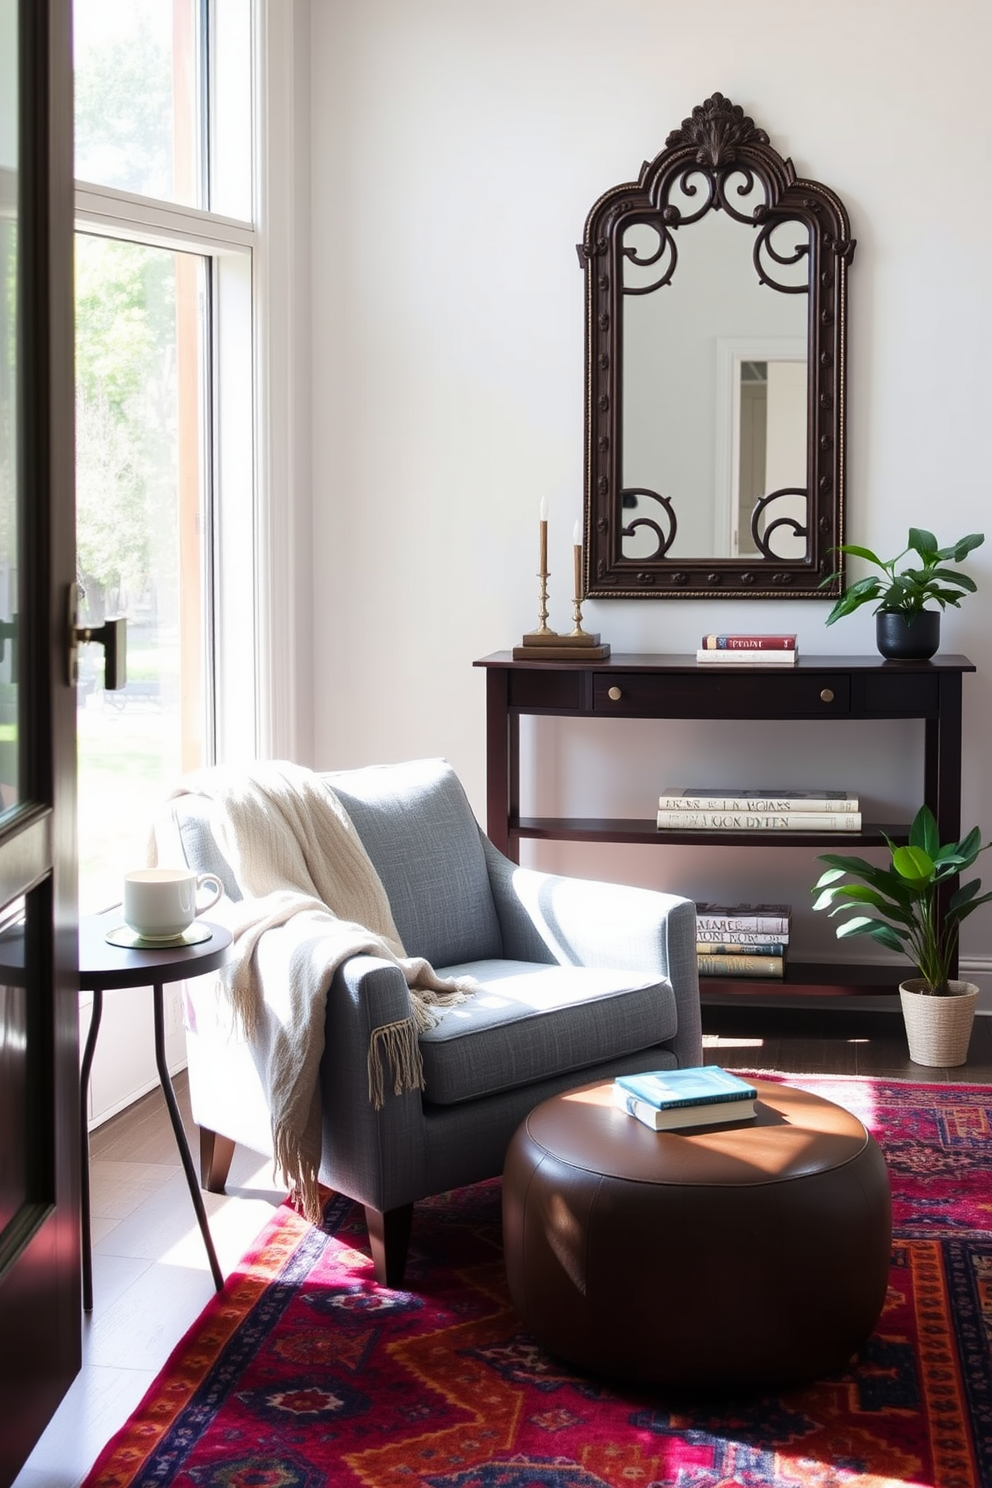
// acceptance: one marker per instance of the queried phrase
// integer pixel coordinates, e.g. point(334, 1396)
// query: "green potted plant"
point(904, 628)
point(902, 898)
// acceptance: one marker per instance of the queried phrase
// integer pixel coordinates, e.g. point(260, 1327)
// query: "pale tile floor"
point(151, 1279)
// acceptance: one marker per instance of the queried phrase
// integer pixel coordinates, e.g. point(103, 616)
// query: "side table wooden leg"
point(84, 1137)
point(180, 1134)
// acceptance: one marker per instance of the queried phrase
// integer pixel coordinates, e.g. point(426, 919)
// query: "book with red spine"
point(741, 642)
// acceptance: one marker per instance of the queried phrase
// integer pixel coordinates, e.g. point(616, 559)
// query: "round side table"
point(104, 968)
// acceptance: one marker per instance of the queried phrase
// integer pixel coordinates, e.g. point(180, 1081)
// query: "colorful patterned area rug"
point(303, 1373)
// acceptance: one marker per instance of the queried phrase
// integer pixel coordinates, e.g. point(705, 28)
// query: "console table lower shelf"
point(819, 690)
point(811, 980)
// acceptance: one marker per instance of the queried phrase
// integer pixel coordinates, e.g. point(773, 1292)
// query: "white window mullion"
point(160, 224)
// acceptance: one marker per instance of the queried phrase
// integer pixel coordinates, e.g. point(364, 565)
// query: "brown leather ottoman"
point(731, 1257)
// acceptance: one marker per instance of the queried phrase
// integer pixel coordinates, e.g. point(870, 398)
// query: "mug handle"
point(208, 880)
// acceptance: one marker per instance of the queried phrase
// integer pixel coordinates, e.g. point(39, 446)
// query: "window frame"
point(231, 616)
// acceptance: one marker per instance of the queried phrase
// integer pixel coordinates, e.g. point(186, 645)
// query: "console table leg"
point(181, 1143)
point(84, 1130)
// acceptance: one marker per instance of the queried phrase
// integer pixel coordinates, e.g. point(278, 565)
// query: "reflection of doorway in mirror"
point(761, 439)
point(753, 453)
point(785, 451)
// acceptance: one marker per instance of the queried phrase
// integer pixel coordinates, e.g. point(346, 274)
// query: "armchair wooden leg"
point(216, 1153)
point(389, 1236)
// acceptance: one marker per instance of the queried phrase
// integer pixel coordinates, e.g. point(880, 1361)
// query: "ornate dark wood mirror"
point(715, 339)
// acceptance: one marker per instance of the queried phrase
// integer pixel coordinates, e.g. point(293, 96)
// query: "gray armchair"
point(578, 981)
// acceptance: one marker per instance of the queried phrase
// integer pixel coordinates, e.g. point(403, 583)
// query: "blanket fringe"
point(299, 1173)
point(394, 1044)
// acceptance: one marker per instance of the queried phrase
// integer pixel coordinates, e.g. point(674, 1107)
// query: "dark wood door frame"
point(40, 1313)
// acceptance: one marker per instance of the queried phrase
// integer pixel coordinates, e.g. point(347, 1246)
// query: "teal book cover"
point(686, 1087)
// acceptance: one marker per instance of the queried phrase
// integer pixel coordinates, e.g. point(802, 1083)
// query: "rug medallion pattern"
point(303, 1373)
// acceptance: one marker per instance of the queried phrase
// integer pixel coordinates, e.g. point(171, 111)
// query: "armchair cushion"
point(529, 1022)
point(580, 980)
point(416, 824)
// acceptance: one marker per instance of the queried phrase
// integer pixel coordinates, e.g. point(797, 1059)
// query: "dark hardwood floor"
point(831, 1042)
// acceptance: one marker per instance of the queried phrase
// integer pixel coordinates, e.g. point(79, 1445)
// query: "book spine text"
point(746, 936)
point(755, 945)
point(742, 966)
point(739, 642)
point(760, 821)
point(730, 802)
point(742, 658)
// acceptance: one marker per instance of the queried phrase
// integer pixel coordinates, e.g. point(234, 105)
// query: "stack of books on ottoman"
point(756, 809)
point(742, 940)
point(666, 1100)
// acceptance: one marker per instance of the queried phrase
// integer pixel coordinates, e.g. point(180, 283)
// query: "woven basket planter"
point(938, 1028)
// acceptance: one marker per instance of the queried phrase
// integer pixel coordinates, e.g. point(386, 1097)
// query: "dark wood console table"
point(649, 686)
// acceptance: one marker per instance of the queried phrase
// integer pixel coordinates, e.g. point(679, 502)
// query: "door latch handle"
point(111, 635)
point(8, 632)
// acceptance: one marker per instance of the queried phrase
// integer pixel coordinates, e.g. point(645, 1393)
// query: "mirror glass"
point(710, 445)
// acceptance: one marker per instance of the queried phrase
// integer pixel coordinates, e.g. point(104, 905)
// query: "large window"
point(164, 406)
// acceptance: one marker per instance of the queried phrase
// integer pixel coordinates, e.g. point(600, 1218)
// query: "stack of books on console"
point(666, 1100)
point(744, 650)
point(720, 809)
point(742, 940)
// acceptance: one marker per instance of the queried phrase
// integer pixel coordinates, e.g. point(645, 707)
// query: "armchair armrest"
point(376, 1156)
point(582, 922)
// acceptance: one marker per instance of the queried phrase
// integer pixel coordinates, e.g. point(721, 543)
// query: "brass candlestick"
point(545, 644)
point(578, 634)
point(543, 629)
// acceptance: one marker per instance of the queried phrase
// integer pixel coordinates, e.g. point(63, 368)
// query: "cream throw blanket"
point(312, 900)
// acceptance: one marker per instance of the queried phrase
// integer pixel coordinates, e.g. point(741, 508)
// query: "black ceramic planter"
point(907, 637)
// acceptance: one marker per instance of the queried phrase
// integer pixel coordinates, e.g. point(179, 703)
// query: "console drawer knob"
point(614, 694)
point(826, 696)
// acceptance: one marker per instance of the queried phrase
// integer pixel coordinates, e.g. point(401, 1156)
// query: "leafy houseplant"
point(915, 632)
point(903, 897)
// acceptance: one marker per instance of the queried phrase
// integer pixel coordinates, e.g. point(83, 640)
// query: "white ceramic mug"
point(160, 903)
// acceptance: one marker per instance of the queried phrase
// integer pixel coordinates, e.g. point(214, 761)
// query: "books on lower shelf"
point(759, 821)
point(757, 945)
point(748, 919)
point(742, 940)
point(711, 809)
point(716, 798)
point(749, 965)
point(668, 1099)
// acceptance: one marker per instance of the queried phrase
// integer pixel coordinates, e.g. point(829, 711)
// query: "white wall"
point(456, 150)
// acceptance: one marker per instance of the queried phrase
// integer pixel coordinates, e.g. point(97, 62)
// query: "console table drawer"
point(914, 695)
point(650, 695)
point(545, 691)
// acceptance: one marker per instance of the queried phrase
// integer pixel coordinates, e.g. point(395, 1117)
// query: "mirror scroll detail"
point(715, 333)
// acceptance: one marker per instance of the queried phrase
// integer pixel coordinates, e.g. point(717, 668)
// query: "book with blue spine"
point(669, 1090)
point(757, 946)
